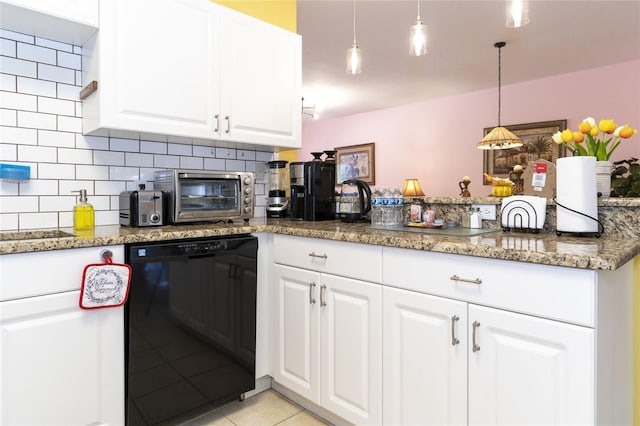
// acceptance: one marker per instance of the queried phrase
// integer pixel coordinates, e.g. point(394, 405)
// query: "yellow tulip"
point(607, 126)
point(626, 131)
point(594, 131)
point(585, 127)
point(578, 137)
point(566, 135)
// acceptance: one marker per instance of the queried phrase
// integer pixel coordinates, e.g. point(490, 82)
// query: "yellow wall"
point(282, 13)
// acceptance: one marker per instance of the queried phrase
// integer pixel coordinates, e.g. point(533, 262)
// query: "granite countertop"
point(604, 253)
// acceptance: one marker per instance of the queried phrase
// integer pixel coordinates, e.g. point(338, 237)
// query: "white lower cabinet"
point(59, 364)
point(329, 342)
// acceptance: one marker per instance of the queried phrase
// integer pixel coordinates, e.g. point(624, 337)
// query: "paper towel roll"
point(576, 189)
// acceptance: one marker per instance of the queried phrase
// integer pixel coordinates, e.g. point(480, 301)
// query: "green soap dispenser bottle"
point(83, 214)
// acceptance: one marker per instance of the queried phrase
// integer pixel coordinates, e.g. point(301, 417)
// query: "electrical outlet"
point(487, 211)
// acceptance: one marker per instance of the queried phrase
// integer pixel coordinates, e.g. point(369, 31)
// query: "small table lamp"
point(412, 188)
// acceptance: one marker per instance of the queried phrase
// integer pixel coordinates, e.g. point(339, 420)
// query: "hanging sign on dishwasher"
point(105, 285)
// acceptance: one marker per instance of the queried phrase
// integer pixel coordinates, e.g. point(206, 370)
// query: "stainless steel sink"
point(454, 232)
point(33, 235)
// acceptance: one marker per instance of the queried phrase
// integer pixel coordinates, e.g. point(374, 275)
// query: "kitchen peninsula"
point(420, 304)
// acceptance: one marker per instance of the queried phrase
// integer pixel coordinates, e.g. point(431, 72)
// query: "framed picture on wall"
point(537, 143)
point(356, 162)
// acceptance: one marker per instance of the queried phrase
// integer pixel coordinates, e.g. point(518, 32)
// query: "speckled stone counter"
point(606, 253)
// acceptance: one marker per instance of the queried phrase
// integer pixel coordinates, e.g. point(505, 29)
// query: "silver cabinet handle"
point(454, 277)
point(311, 299)
point(322, 289)
point(476, 347)
point(228, 124)
point(454, 319)
point(217, 117)
point(321, 256)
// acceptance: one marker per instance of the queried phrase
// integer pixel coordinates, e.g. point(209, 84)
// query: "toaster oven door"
point(207, 198)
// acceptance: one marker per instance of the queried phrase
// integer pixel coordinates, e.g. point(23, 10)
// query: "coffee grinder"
point(278, 179)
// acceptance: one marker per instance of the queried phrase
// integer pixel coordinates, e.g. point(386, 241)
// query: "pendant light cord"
point(499, 45)
point(418, 10)
point(354, 22)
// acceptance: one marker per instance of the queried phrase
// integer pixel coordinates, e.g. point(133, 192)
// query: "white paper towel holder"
point(596, 234)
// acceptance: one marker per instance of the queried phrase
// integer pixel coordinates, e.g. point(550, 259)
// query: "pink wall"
point(435, 141)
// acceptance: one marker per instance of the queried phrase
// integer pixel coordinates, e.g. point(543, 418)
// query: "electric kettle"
point(354, 202)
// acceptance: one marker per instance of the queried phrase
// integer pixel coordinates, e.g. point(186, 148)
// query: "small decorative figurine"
point(464, 186)
point(516, 177)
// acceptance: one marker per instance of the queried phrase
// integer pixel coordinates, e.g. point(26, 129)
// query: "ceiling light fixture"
point(418, 37)
point(310, 111)
point(517, 12)
point(354, 54)
point(500, 137)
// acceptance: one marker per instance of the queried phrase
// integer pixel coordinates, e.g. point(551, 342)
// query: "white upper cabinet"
point(194, 69)
point(69, 21)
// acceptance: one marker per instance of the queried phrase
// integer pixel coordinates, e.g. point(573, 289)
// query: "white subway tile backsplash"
point(56, 106)
point(66, 187)
point(139, 160)
point(39, 187)
point(34, 86)
point(92, 142)
point(36, 120)
point(100, 202)
point(147, 177)
point(153, 147)
point(58, 203)
point(8, 152)
point(203, 151)
point(56, 171)
point(108, 217)
point(166, 161)
point(8, 221)
point(18, 66)
point(8, 117)
point(92, 172)
point(264, 156)
point(18, 204)
point(69, 91)
point(18, 101)
point(65, 219)
point(18, 136)
point(152, 137)
point(226, 153)
point(16, 36)
point(36, 53)
point(214, 164)
point(53, 138)
point(104, 187)
point(78, 78)
point(124, 173)
point(9, 188)
point(78, 112)
point(7, 83)
point(74, 156)
point(69, 60)
point(178, 149)
point(128, 145)
point(53, 73)
point(40, 154)
point(69, 124)
point(77, 50)
point(191, 163)
point(108, 158)
point(234, 165)
point(38, 220)
point(54, 44)
point(246, 155)
point(7, 47)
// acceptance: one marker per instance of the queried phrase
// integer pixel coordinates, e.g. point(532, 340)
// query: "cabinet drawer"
point(35, 274)
point(350, 260)
point(564, 294)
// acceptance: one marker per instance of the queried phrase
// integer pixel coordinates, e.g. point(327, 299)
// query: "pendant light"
point(500, 137)
point(517, 13)
point(418, 37)
point(354, 54)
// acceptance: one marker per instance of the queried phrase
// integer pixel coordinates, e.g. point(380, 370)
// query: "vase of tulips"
point(596, 140)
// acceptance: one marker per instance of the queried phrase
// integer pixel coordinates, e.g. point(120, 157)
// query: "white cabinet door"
point(351, 349)
point(60, 365)
point(297, 332)
point(529, 370)
point(424, 358)
point(157, 68)
point(261, 82)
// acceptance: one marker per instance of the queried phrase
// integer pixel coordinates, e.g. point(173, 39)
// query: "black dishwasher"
point(191, 327)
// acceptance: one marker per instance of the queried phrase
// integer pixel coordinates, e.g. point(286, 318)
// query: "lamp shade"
point(500, 138)
point(412, 188)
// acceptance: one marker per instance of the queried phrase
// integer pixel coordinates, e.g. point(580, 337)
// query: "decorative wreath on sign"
point(105, 285)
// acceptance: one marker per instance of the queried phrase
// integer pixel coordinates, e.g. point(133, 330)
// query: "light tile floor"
point(268, 408)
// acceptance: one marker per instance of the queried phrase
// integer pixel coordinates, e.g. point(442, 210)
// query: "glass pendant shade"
point(354, 60)
point(412, 188)
point(418, 39)
point(517, 13)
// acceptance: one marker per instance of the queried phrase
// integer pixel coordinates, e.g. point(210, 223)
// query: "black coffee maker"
point(354, 201)
point(312, 189)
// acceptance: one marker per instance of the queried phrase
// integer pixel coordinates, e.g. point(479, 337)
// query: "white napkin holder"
point(523, 212)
